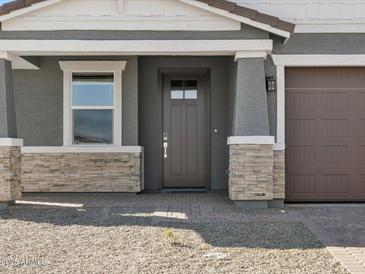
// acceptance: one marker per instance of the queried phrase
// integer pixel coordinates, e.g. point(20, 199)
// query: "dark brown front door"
point(184, 131)
point(325, 134)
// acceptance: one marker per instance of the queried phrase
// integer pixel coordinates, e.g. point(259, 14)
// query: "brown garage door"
point(325, 134)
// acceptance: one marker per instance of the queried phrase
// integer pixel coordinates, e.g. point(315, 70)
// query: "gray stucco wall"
point(323, 43)
point(39, 101)
point(270, 70)
point(250, 104)
point(150, 121)
point(7, 105)
point(232, 84)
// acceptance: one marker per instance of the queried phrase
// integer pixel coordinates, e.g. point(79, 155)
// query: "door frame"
point(204, 73)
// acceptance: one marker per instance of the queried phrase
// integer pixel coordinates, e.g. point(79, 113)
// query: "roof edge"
point(252, 14)
point(17, 5)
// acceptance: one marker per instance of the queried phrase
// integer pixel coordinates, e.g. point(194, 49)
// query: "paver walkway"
point(341, 228)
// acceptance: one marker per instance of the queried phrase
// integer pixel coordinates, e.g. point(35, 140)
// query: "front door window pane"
point(177, 89)
point(191, 94)
point(187, 89)
point(177, 94)
point(93, 126)
point(191, 89)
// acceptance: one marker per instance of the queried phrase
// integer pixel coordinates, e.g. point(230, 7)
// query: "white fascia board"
point(82, 149)
point(319, 60)
point(134, 47)
point(11, 142)
point(26, 10)
point(251, 140)
point(238, 18)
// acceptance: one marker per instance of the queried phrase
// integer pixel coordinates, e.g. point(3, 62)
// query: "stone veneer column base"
point(256, 172)
point(10, 162)
point(279, 174)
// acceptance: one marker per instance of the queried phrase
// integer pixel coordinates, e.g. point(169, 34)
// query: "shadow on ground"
point(271, 235)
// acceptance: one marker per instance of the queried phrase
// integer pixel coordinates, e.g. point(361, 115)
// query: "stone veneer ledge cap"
point(251, 140)
point(279, 147)
point(83, 149)
point(11, 142)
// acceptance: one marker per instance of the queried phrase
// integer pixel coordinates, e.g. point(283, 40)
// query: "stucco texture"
point(39, 101)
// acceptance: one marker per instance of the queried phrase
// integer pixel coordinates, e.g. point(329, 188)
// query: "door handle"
point(165, 150)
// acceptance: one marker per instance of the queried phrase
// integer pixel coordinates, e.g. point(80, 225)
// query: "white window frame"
point(70, 67)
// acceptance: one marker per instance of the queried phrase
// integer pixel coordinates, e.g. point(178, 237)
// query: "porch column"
point(10, 186)
point(251, 147)
point(7, 105)
point(251, 112)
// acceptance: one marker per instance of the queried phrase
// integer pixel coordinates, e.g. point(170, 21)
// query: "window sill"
point(83, 149)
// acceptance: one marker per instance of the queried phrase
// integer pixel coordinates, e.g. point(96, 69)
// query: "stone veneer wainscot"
point(279, 174)
point(10, 183)
point(251, 172)
point(82, 169)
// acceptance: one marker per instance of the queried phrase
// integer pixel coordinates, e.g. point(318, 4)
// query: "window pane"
point(191, 89)
point(177, 89)
point(93, 126)
point(191, 94)
point(93, 90)
point(177, 94)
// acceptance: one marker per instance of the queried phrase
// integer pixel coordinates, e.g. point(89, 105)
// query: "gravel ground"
point(35, 240)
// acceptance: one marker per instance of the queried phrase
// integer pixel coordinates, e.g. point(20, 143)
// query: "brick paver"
point(341, 228)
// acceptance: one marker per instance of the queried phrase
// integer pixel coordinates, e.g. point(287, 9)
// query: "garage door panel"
point(325, 78)
point(301, 155)
point(325, 134)
point(334, 101)
point(360, 102)
point(301, 101)
point(301, 128)
point(361, 179)
point(333, 183)
point(334, 127)
point(361, 127)
point(361, 154)
point(334, 154)
point(301, 183)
